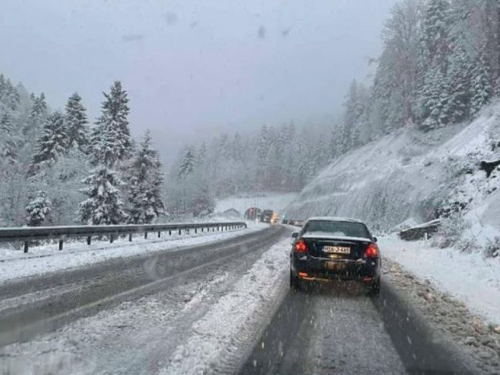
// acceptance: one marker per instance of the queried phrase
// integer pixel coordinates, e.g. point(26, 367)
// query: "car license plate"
point(334, 266)
point(337, 249)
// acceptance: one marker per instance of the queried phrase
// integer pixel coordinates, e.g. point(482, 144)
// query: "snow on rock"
point(45, 259)
point(230, 326)
point(470, 278)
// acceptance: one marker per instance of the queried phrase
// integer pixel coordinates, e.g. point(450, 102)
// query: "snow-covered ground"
point(470, 278)
point(43, 259)
point(227, 329)
point(272, 201)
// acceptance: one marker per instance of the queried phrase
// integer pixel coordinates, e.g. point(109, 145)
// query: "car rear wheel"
point(294, 281)
point(374, 287)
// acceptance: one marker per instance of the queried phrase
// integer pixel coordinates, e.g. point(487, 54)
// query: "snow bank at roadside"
point(45, 259)
point(230, 327)
point(470, 278)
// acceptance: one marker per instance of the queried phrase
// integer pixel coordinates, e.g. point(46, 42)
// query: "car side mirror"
point(375, 239)
point(295, 234)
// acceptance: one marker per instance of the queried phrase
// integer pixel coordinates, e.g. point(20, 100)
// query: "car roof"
point(334, 218)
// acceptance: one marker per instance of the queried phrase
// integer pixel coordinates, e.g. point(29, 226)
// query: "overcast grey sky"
point(192, 66)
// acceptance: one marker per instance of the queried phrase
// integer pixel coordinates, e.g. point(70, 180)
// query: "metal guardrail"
point(27, 234)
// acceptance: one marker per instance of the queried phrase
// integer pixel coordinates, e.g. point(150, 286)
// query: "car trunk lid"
point(336, 247)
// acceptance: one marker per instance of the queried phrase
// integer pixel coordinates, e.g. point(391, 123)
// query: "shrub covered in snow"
point(38, 209)
point(492, 248)
point(451, 230)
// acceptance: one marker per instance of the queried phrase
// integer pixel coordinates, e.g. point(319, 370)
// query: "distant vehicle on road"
point(266, 216)
point(275, 218)
point(253, 213)
point(328, 248)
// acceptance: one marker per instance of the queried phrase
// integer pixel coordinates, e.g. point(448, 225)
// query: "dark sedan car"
point(330, 248)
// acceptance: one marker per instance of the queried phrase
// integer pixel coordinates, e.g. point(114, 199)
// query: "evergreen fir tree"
point(459, 95)
point(8, 145)
point(482, 89)
point(9, 95)
point(145, 185)
point(433, 100)
point(111, 137)
point(103, 205)
point(436, 31)
point(52, 143)
point(76, 123)
point(36, 118)
point(188, 163)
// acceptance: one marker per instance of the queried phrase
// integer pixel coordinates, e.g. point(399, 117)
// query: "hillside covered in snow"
point(414, 176)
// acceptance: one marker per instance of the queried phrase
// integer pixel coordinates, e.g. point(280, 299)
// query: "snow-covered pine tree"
point(103, 205)
point(145, 184)
point(36, 118)
point(53, 142)
point(76, 123)
point(482, 89)
point(188, 163)
point(8, 145)
point(436, 30)
point(111, 136)
point(397, 78)
point(38, 209)
point(459, 62)
point(9, 96)
point(432, 97)
point(202, 154)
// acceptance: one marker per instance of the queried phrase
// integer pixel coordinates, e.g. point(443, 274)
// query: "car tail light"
point(371, 251)
point(300, 246)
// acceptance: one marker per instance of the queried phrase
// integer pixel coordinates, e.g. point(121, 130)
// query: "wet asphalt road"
point(39, 305)
point(326, 329)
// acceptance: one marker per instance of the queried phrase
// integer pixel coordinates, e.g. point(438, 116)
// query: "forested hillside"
point(421, 142)
point(440, 65)
point(278, 158)
point(57, 169)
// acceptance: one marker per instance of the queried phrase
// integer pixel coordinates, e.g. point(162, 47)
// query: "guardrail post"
point(111, 239)
point(26, 246)
point(130, 237)
point(89, 240)
point(159, 234)
point(60, 245)
point(169, 232)
point(145, 235)
point(195, 231)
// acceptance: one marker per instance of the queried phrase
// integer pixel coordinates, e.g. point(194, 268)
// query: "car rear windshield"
point(336, 228)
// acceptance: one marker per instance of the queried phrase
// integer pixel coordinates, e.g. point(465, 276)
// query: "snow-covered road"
point(216, 312)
